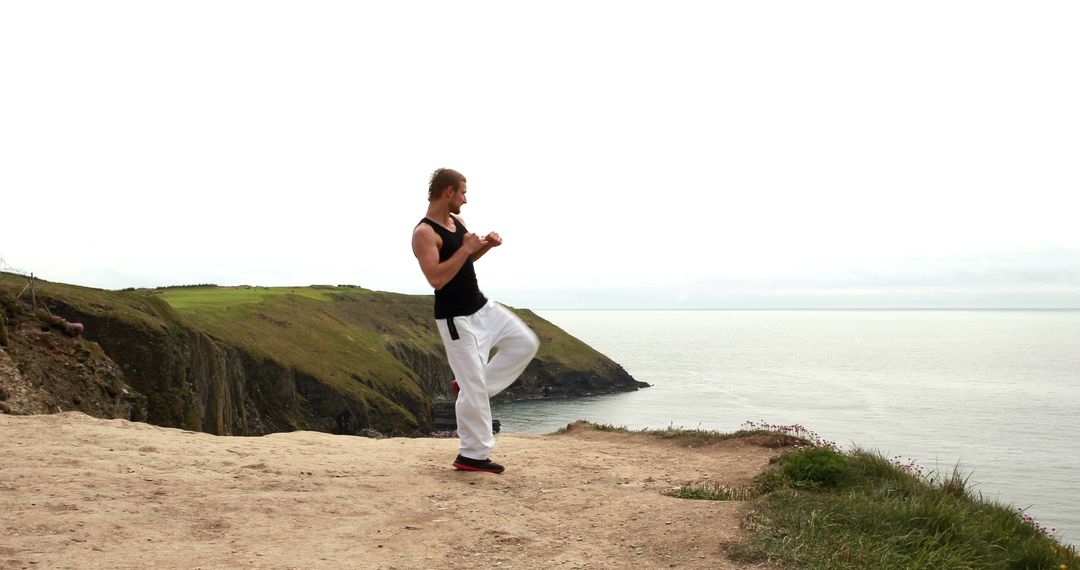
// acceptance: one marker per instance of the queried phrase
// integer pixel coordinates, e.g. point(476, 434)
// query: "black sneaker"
point(465, 464)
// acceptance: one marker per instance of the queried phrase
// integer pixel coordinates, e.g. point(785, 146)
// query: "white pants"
point(469, 341)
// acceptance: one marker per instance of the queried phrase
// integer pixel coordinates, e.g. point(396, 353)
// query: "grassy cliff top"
point(338, 330)
point(339, 334)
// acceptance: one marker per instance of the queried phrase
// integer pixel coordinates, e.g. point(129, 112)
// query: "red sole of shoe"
point(462, 467)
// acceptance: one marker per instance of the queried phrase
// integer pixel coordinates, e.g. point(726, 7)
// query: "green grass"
point(687, 437)
point(211, 299)
point(823, 508)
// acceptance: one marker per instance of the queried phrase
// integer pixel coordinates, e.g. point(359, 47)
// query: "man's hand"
point(492, 240)
point(487, 242)
point(472, 243)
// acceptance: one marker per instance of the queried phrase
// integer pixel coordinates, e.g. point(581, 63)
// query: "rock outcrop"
point(45, 371)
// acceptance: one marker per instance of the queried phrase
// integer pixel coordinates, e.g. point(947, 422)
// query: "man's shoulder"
point(423, 228)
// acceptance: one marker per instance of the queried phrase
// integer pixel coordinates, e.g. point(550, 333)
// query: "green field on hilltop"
point(207, 299)
point(278, 320)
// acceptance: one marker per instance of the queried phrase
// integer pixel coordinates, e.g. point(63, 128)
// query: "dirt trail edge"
point(79, 492)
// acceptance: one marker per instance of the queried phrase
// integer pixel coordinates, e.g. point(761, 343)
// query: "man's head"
point(442, 180)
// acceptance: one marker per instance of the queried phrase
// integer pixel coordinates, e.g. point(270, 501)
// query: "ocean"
point(996, 392)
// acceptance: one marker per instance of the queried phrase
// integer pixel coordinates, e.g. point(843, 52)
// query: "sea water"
point(994, 392)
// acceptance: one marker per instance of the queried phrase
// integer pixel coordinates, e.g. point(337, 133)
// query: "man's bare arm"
point(426, 249)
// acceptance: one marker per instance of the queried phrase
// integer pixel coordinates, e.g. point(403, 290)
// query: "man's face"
point(457, 199)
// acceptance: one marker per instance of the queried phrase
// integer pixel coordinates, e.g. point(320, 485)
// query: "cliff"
point(254, 360)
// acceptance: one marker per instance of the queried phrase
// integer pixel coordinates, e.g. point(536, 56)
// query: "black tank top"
point(461, 296)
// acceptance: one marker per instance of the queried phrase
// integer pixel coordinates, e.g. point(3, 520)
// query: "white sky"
point(631, 154)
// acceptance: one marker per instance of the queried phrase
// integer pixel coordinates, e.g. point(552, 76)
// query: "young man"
point(470, 325)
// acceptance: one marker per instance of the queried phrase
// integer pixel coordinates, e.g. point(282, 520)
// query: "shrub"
point(817, 466)
point(195, 286)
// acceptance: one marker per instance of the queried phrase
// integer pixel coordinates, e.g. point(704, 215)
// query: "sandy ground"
point(78, 492)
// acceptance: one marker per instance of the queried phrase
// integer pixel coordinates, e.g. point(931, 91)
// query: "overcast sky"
point(631, 154)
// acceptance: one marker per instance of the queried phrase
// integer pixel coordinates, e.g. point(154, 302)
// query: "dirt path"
point(81, 492)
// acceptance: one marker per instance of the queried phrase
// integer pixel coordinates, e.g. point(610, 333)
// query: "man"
point(471, 326)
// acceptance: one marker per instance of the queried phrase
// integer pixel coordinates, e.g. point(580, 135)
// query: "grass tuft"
point(702, 437)
point(714, 491)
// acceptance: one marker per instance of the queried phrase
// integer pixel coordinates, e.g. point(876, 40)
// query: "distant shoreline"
point(892, 309)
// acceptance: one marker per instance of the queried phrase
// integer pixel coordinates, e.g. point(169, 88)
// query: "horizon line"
point(15, 273)
point(805, 308)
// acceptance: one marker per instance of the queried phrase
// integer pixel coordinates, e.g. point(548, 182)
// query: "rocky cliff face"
point(196, 382)
point(45, 371)
point(158, 366)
